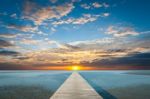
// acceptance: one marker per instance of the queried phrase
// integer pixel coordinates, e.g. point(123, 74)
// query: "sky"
point(55, 34)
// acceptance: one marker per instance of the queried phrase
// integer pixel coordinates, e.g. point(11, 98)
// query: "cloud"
point(7, 35)
point(67, 46)
point(85, 19)
point(97, 5)
point(82, 20)
point(65, 9)
point(29, 7)
point(73, 54)
point(10, 66)
point(121, 31)
point(30, 41)
point(85, 6)
point(137, 60)
point(9, 53)
point(111, 45)
point(53, 29)
point(44, 13)
point(94, 5)
point(21, 57)
point(26, 28)
point(134, 45)
point(37, 44)
point(14, 16)
point(4, 43)
point(94, 43)
point(106, 14)
point(16, 66)
point(101, 52)
point(53, 1)
point(106, 5)
point(89, 51)
point(57, 55)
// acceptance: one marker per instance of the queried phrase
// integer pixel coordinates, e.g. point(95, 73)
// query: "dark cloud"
point(7, 35)
point(134, 59)
point(15, 66)
point(117, 50)
point(64, 60)
point(21, 57)
point(4, 43)
point(68, 46)
point(9, 53)
point(8, 66)
point(50, 64)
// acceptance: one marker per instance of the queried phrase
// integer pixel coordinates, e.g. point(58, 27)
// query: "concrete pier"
point(75, 87)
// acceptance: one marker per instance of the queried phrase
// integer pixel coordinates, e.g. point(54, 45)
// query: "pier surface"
point(75, 87)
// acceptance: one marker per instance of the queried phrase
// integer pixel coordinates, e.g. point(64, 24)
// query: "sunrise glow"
point(75, 68)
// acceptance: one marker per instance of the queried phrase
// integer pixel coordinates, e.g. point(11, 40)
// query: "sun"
point(75, 68)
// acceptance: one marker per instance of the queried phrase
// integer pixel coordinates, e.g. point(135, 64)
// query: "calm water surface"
point(42, 84)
